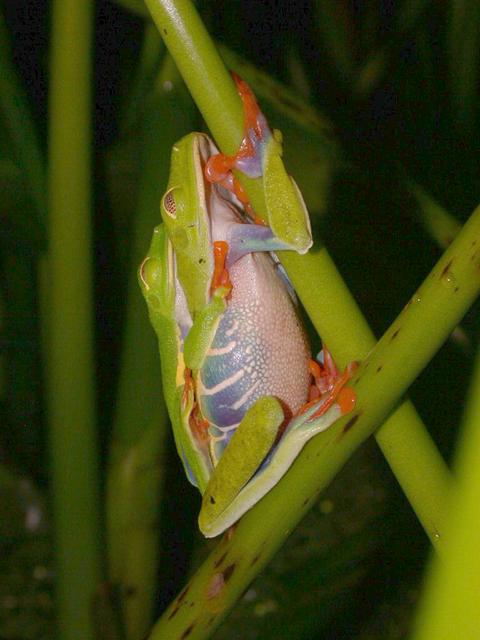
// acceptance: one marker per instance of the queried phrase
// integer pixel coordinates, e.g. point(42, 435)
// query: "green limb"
point(299, 431)
point(200, 336)
point(287, 213)
point(249, 445)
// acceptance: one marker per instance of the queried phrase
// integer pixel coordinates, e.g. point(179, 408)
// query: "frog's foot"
point(255, 132)
point(218, 171)
point(188, 387)
point(341, 394)
point(221, 284)
point(230, 182)
point(253, 117)
point(329, 386)
point(198, 424)
point(325, 373)
point(247, 160)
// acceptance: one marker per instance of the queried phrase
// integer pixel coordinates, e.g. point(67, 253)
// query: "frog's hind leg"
point(243, 456)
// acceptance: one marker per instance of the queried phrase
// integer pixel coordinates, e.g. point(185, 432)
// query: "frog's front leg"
point(260, 155)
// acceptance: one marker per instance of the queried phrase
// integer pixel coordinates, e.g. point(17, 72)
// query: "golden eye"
point(169, 204)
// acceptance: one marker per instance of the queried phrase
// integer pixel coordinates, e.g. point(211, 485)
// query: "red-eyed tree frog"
point(241, 389)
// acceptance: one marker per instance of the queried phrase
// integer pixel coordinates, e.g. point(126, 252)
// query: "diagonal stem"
point(407, 346)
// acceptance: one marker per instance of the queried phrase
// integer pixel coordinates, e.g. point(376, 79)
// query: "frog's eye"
point(169, 204)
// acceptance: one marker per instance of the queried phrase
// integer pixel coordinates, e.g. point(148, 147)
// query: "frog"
point(242, 390)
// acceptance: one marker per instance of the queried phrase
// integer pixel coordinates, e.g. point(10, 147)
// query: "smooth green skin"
point(287, 214)
point(186, 235)
point(156, 278)
point(187, 224)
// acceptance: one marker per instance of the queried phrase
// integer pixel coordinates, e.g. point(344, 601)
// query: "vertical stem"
point(198, 61)
point(450, 605)
point(70, 372)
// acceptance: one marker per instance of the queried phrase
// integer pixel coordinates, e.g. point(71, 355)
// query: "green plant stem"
point(202, 69)
point(433, 311)
point(403, 438)
point(315, 277)
point(449, 608)
point(70, 369)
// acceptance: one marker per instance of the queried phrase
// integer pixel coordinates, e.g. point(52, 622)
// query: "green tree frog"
point(242, 391)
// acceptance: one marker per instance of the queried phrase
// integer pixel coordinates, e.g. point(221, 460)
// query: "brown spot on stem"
point(218, 562)
point(255, 559)
point(174, 613)
point(379, 368)
point(395, 334)
point(187, 632)
point(181, 597)
point(446, 269)
point(350, 423)
point(227, 573)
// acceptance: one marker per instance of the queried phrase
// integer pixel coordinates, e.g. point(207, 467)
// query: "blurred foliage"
point(399, 83)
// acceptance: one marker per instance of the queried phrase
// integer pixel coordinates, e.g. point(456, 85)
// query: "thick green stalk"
point(70, 370)
point(315, 277)
point(202, 69)
point(450, 605)
point(432, 313)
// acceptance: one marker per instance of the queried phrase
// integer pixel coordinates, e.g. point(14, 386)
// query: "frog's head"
point(185, 212)
point(156, 275)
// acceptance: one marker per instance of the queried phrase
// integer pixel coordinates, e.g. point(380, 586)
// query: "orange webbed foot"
point(328, 382)
point(218, 169)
